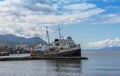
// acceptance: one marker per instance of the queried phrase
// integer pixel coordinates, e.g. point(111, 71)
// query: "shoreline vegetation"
point(41, 58)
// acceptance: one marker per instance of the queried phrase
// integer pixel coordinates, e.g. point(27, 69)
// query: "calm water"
point(100, 63)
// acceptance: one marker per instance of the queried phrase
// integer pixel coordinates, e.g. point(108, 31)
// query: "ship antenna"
point(59, 32)
point(48, 37)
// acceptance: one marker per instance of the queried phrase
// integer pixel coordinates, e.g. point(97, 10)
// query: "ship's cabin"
point(64, 43)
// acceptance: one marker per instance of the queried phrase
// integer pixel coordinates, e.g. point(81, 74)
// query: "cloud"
point(104, 43)
point(80, 7)
point(25, 17)
point(108, 19)
point(111, 18)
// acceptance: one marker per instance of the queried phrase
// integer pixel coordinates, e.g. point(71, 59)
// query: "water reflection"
point(65, 68)
point(41, 68)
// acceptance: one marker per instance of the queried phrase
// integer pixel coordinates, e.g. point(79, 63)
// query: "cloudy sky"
point(93, 23)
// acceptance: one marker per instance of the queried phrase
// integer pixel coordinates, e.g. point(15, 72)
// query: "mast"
point(48, 37)
point(59, 32)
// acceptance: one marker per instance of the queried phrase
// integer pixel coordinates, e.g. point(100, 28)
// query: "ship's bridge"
point(64, 43)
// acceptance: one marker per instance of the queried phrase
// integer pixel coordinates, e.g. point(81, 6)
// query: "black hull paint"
point(72, 53)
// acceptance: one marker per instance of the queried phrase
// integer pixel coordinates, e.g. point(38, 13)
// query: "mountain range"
point(113, 48)
point(11, 40)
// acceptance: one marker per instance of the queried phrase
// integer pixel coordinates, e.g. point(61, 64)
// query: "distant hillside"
point(12, 40)
point(114, 48)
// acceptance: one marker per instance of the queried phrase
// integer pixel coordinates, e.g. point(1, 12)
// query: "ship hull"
point(71, 53)
point(76, 51)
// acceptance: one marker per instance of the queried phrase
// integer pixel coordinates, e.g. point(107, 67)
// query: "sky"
point(92, 23)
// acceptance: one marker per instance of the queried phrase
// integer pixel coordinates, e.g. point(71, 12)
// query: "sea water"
point(100, 63)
